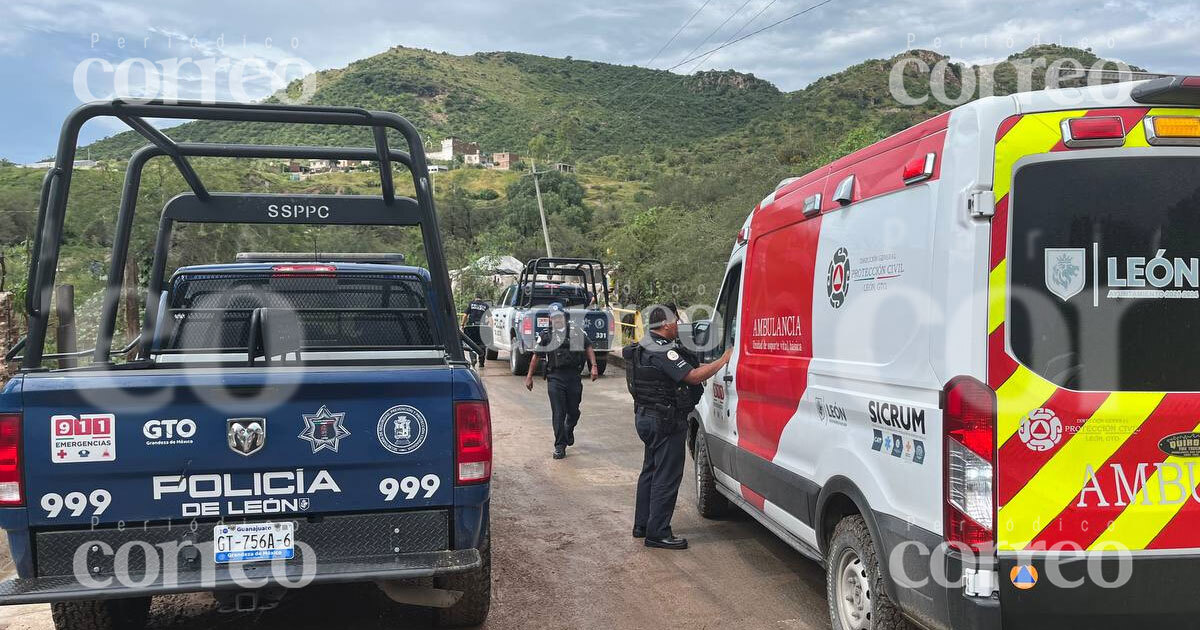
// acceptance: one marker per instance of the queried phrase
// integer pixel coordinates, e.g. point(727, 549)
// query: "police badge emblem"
point(402, 429)
point(324, 429)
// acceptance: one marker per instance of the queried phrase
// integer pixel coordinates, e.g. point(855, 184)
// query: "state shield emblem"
point(1065, 271)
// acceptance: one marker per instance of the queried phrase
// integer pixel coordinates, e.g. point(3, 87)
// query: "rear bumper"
point(401, 566)
point(168, 558)
point(1152, 591)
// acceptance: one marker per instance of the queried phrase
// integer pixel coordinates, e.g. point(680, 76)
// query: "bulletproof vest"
point(648, 385)
point(564, 357)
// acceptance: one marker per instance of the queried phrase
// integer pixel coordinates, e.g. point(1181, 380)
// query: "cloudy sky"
point(53, 53)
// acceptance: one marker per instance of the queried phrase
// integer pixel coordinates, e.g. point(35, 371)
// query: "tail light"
point(1172, 130)
point(1093, 131)
point(527, 326)
point(473, 423)
point(969, 421)
point(612, 324)
point(10, 460)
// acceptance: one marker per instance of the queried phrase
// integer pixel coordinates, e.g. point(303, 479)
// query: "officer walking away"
point(476, 311)
point(666, 381)
point(564, 348)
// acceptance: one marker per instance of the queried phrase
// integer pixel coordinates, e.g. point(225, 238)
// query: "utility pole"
point(542, 211)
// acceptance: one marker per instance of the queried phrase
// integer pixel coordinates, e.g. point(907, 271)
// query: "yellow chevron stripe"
point(1035, 133)
point(1059, 481)
point(997, 291)
point(1139, 523)
point(1023, 392)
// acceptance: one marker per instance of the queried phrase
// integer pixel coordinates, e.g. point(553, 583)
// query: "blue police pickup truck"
point(276, 424)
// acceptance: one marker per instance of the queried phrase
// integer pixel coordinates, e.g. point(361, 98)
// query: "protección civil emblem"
point(837, 280)
point(402, 429)
point(1065, 271)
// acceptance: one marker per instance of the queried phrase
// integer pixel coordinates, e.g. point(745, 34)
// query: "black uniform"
point(662, 402)
point(565, 355)
point(474, 326)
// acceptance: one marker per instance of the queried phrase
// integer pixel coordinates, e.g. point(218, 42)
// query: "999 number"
point(410, 486)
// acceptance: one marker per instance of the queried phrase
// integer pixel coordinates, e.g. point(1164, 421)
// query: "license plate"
point(249, 542)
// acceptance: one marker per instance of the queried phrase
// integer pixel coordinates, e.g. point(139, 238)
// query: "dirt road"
point(564, 558)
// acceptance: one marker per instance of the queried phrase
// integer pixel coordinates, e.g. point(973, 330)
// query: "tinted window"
point(1104, 269)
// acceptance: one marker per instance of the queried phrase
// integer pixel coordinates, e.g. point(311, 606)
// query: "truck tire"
point(710, 503)
point(476, 587)
point(854, 583)
point(518, 362)
point(107, 614)
point(490, 354)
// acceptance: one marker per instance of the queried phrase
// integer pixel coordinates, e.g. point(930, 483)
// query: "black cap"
point(659, 315)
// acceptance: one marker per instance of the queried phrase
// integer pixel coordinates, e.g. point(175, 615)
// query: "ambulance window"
point(725, 320)
point(1104, 271)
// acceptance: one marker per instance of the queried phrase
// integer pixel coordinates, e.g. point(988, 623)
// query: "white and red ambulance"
point(966, 374)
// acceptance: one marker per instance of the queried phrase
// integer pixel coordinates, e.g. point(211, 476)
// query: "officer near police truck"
point(565, 350)
point(666, 381)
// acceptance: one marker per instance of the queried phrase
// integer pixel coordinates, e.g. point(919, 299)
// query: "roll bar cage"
point(201, 205)
point(585, 268)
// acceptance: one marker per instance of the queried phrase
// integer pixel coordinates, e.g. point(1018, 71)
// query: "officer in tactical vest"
point(476, 314)
point(565, 349)
point(666, 381)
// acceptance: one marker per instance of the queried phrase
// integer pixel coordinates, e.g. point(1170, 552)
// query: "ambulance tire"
point(854, 582)
point(476, 586)
point(106, 614)
point(710, 503)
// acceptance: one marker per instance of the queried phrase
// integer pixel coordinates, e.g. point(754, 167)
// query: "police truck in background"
point(284, 420)
point(964, 374)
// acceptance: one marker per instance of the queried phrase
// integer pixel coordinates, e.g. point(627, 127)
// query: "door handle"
point(728, 378)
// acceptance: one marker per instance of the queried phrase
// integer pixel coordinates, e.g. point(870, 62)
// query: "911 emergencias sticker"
point(87, 438)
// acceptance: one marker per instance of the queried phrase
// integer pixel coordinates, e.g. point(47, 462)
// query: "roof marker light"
point(305, 269)
point(1173, 130)
point(919, 168)
point(1093, 131)
point(812, 205)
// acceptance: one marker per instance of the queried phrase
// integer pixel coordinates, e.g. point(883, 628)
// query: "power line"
point(752, 34)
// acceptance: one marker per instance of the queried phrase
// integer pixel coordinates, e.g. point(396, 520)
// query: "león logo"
point(1041, 430)
point(1065, 276)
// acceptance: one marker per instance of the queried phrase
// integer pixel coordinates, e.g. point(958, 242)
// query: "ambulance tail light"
point(1093, 131)
point(969, 422)
point(473, 427)
point(10, 460)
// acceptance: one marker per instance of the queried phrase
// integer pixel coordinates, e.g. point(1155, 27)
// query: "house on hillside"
point(504, 160)
point(320, 166)
point(453, 147)
point(473, 159)
point(564, 168)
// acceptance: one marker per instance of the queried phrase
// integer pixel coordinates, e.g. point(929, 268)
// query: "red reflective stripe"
point(999, 232)
point(1019, 464)
point(1006, 126)
point(1000, 365)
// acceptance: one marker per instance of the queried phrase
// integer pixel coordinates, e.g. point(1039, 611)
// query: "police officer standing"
point(564, 348)
point(666, 380)
point(476, 311)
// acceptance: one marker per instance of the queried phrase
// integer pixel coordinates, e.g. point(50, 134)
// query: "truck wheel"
point(710, 503)
point(854, 582)
point(491, 355)
point(518, 362)
point(107, 614)
point(476, 587)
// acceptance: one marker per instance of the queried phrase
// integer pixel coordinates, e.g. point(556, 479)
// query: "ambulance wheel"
point(854, 583)
point(491, 355)
point(107, 614)
point(476, 587)
point(710, 503)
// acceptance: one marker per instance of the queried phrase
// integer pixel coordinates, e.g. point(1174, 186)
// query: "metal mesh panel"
point(212, 312)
